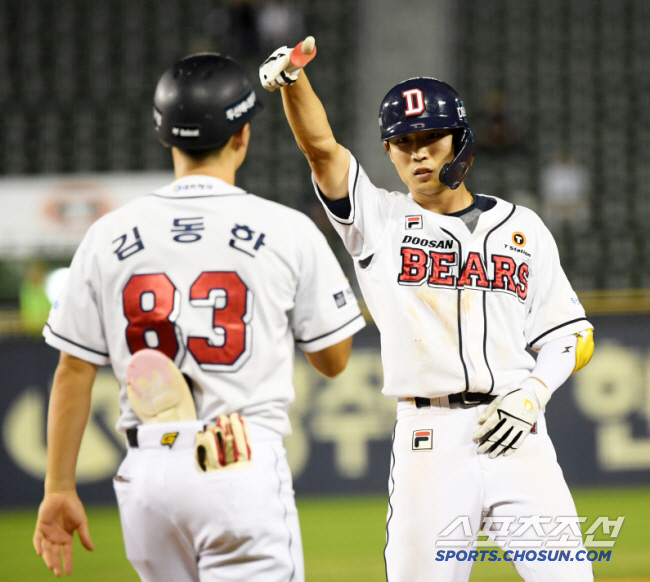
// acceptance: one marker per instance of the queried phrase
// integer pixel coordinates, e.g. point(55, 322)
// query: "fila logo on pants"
point(422, 440)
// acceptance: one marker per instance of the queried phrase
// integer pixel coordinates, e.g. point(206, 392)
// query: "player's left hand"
point(506, 422)
point(59, 515)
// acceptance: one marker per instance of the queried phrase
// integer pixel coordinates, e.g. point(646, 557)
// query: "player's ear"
point(242, 136)
point(387, 148)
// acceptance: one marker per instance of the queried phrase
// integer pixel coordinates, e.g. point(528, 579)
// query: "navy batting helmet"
point(424, 103)
point(202, 100)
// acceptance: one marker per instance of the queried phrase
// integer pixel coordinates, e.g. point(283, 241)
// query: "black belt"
point(132, 436)
point(463, 399)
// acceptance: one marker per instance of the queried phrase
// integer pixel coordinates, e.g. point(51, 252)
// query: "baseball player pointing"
point(196, 294)
point(459, 284)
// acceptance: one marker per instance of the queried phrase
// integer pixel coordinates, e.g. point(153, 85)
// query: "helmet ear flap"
point(453, 173)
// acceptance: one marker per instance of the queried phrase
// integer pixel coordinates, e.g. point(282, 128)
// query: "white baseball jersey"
point(455, 308)
point(222, 281)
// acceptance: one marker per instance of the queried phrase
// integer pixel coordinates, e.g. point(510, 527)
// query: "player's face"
point(419, 156)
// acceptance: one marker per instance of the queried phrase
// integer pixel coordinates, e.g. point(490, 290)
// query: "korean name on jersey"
point(220, 280)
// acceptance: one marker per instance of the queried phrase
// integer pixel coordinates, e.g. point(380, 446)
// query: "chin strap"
point(453, 173)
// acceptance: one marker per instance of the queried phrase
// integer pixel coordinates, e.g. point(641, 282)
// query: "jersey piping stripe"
point(485, 321)
point(75, 343)
point(349, 220)
point(313, 339)
point(556, 327)
point(390, 495)
point(286, 512)
point(485, 324)
point(460, 330)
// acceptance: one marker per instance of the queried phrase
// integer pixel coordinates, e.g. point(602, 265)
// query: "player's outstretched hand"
point(506, 422)
point(59, 515)
point(284, 65)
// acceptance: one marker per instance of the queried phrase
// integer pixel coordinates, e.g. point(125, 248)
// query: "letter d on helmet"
point(422, 104)
point(202, 100)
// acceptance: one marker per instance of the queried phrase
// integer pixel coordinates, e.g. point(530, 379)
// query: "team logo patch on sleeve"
point(339, 298)
point(422, 440)
point(413, 222)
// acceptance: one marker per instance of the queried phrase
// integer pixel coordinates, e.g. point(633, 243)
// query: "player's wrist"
point(538, 389)
point(60, 485)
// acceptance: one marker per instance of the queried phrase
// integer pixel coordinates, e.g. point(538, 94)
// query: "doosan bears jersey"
point(455, 309)
point(223, 282)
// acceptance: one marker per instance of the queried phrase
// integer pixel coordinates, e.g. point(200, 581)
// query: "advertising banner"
point(599, 420)
point(47, 216)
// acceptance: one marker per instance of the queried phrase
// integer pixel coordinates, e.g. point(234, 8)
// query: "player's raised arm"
point(329, 160)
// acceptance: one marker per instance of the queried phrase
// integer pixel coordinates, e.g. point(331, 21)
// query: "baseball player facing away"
point(459, 284)
point(203, 278)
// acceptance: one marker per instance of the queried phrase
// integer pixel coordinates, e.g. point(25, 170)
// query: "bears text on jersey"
point(441, 269)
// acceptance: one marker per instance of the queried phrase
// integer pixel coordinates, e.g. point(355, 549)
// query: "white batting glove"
point(276, 72)
point(284, 65)
point(506, 422)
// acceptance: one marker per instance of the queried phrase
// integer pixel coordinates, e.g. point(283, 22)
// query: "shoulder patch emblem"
point(519, 238)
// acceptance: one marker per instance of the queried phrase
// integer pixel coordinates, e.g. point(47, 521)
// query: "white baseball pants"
point(183, 525)
point(437, 481)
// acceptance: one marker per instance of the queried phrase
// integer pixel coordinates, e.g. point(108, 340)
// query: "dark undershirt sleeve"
point(340, 208)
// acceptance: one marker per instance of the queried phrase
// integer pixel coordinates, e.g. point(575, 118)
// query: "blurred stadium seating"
point(575, 77)
point(571, 78)
point(78, 80)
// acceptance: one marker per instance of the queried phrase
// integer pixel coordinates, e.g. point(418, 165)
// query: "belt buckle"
point(466, 403)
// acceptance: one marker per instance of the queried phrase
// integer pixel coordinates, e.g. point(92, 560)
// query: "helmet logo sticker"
point(519, 239)
point(186, 131)
point(414, 102)
point(243, 106)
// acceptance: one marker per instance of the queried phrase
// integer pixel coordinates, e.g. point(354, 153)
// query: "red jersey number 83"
point(151, 305)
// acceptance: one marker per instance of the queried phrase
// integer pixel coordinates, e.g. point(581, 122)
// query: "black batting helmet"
point(424, 103)
point(202, 100)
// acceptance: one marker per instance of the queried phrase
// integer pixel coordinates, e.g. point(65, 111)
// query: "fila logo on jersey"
point(414, 102)
point(169, 439)
point(414, 222)
point(422, 440)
